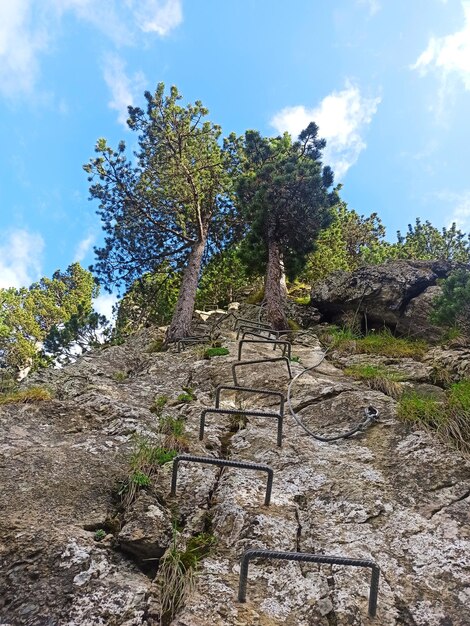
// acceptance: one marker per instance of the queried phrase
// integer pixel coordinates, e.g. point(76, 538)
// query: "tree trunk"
point(181, 321)
point(273, 292)
point(283, 280)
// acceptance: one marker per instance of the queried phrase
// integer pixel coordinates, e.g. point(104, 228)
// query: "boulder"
point(381, 294)
point(415, 320)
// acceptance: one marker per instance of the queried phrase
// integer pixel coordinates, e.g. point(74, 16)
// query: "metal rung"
point(246, 329)
point(191, 340)
point(251, 322)
point(278, 416)
point(223, 463)
point(310, 558)
point(266, 392)
point(274, 342)
point(279, 358)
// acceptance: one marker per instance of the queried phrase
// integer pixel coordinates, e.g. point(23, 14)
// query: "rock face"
point(391, 494)
point(397, 294)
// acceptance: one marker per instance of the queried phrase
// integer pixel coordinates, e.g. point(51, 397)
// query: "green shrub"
point(302, 300)
point(210, 352)
point(452, 307)
point(256, 298)
point(386, 344)
point(459, 395)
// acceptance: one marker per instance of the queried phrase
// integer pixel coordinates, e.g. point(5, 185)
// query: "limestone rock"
point(147, 529)
point(415, 322)
point(391, 493)
point(379, 293)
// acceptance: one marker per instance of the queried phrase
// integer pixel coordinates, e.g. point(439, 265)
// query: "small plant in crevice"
point(295, 359)
point(158, 404)
point(26, 396)
point(216, 351)
point(99, 535)
point(441, 376)
point(293, 325)
point(174, 430)
point(120, 376)
point(144, 463)
point(378, 378)
point(187, 396)
point(237, 422)
point(177, 569)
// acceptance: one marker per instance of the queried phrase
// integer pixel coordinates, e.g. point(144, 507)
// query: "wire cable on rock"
point(371, 414)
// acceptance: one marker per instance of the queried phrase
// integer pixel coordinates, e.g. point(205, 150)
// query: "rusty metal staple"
point(310, 558)
point(266, 392)
point(253, 323)
point(278, 416)
point(275, 342)
point(223, 463)
point(191, 340)
point(279, 358)
point(247, 329)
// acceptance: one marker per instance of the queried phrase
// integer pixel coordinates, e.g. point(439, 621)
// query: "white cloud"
point(22, 38)
point(27, 28)
point(123, 88)
point(83, 247)
point(104, 304)
point(341, 117)
point(373, 5)
point(157, 16)
point(461, 211)
point(20, 259)
point(449, 55)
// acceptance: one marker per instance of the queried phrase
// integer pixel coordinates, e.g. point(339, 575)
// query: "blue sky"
point(387, 81)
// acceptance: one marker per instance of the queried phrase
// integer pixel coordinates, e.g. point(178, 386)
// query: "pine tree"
point(285, 195)
point(162, 205)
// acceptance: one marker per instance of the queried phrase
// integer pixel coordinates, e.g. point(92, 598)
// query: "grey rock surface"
point(392, 493)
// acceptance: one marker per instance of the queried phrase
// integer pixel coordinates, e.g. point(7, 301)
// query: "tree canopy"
point(285, 195)
point(28, 315)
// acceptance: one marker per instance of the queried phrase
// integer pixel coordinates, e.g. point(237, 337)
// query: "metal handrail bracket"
point(222, 463)
point(310, 558)
point(278, 416)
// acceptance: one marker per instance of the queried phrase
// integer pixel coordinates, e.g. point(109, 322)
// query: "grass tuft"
point(377, 378)
point(176, 572)
point(382, 343)
point(450, 419)
point(25, 396)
